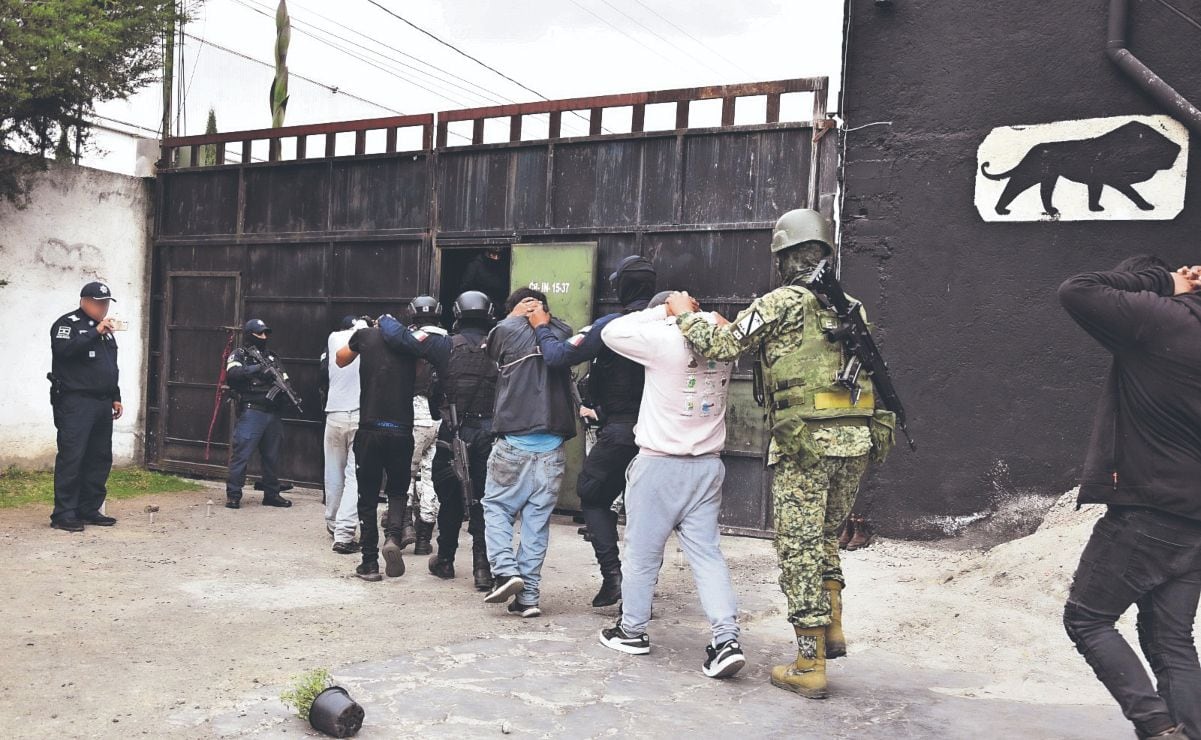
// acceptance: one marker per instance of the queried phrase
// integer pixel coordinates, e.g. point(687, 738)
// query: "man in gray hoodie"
point(534, 416)
point(674, 484)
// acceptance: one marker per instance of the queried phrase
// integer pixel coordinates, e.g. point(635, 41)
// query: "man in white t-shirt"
point(674, 484)
point(341, 422)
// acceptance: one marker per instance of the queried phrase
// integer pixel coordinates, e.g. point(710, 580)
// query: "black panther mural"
point(1129, 154)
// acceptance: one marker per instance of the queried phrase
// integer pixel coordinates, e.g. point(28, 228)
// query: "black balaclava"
point(254, 341)
point(635, 278)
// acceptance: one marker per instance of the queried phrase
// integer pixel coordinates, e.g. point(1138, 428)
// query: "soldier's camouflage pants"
point(810, 505)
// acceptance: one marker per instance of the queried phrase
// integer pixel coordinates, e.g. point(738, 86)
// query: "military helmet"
point(473, 304)
point(256, 326)
point(425, 307)
point(799, 226)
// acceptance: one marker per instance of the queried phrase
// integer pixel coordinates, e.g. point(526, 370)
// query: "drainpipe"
point(1142, 75)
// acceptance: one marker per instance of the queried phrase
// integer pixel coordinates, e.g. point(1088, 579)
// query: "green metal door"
point(566, 274)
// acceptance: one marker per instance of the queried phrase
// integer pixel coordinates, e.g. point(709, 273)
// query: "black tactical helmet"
point(473, 304)
point(425, 307)
point(256, 326)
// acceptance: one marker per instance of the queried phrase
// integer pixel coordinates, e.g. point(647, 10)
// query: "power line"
point(332, 88)
point(382, 66)
point(664, 39)
point(620, 30)
point(459, 51)
point(484, 93)
point(456, 49)
point(697, 41)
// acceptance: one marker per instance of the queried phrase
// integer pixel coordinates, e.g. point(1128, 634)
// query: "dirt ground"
point(190, 625)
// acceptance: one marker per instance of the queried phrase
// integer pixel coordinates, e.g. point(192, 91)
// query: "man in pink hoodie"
point(674, 484)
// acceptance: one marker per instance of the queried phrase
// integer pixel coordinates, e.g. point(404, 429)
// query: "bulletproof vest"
point(615, 384)
point(253, 389)
point(472, 382)
point(800, 377)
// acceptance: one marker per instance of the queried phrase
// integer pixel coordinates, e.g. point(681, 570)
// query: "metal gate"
point(358, 230)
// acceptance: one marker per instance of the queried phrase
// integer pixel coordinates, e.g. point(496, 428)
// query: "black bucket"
point(335, 713)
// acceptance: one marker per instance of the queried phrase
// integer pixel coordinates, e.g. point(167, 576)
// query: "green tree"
point(58, 59)
point(208, 152)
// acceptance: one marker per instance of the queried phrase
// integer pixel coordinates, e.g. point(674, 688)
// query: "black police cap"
point(97, 291)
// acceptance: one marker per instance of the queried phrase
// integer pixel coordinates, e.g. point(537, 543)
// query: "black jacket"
point(84, 360)
point(1146, 442)
point(246, 378)
point(530, 397)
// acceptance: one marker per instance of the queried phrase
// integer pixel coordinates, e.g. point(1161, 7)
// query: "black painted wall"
point(999, 383)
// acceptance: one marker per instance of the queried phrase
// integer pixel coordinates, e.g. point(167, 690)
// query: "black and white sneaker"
point(503, 587)
point(616, 638)
point(724, 660)
point(527, 611)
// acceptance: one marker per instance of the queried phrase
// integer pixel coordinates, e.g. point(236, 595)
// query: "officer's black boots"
point(274, 499)
point(610, 590)
point(233, 502)
point(99, 520)
point(425, 531)
point(408, 535)
point(398, 519)
point(480, 568)
point(444, 569)
point(67, 525)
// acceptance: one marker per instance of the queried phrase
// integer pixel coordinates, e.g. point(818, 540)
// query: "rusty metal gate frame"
point(820, 193)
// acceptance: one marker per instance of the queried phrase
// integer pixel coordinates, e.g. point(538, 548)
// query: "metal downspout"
point(1142, 75)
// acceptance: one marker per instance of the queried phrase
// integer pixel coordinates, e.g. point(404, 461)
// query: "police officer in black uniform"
point(259, 423)
point(615, 387)
point(466, 378)
point(86, 401)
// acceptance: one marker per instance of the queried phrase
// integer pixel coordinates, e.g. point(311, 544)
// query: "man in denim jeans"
point(534, 416)
point(1144, 462)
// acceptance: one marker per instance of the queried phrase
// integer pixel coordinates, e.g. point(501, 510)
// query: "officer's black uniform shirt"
point(252, 385)
point(386, 380)
point(84, 360)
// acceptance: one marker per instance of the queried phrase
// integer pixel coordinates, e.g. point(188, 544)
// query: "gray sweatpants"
point(681, 494)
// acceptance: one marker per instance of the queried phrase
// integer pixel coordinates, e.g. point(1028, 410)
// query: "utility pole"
point(168, 73)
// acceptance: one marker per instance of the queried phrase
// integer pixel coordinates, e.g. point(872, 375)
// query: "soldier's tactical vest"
point(801, 383)
point(472, 382)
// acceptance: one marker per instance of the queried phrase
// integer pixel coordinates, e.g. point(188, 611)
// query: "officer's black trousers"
point(255, 430)
point(85, 455)
point(478, 438)
point(376, 453)
point(602, 479)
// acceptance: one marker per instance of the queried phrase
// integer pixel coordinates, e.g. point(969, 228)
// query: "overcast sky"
point(558, 48)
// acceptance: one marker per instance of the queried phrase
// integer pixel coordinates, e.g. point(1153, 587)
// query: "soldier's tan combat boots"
point(836, 641)
point(807, 676)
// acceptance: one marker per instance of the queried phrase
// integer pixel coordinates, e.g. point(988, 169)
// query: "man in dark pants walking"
point(259, 424)
point(86, 401)
point(1144, 462)
point(383, 442)
point(615, 384)
point(466, 379)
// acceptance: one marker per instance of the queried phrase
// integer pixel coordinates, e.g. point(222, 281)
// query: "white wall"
point(80, 225)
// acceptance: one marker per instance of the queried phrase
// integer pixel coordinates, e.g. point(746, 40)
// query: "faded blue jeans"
point(525, 483)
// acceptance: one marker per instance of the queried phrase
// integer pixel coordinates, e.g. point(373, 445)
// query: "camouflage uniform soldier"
point(821, 442)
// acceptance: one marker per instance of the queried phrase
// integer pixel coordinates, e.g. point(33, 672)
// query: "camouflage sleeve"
point(760, 321)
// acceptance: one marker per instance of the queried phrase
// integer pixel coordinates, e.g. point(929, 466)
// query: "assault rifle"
point(859, 344)
point(460, 463)
point(279, 379)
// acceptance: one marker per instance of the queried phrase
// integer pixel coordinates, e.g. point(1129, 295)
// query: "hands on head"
point(533, 310)
point(1187, 279)
point(680, 302)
